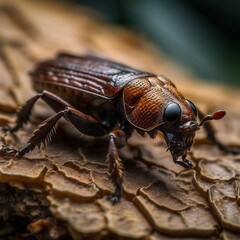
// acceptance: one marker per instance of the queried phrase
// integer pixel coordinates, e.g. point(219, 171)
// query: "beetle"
point(98, 97)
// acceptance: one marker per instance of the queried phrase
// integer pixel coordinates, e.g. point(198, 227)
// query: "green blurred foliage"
point(202, 35)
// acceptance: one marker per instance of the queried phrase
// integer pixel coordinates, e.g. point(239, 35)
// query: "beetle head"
point(154, 104)
point(180, 126)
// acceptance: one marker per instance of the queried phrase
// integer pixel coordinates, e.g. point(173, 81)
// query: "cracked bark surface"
point(59, 191)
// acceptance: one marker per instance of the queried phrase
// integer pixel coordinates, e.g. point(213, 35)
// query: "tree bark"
point(60, 191)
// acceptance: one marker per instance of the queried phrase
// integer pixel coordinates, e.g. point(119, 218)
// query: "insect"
point(99, 97)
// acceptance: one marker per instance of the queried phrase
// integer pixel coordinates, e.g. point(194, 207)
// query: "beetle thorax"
point(144, 100)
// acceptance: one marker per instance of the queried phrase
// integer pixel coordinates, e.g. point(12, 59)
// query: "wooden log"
point(60, 190)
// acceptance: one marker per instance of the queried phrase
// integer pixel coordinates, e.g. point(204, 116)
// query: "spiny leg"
point(84, 123)
point(117, 139)
point(212, 137)
point(41, 134)
point(23, 115)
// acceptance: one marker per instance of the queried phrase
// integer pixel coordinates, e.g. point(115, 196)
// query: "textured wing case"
point(90, 74)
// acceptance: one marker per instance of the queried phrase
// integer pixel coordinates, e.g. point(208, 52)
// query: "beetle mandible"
point(99, 97)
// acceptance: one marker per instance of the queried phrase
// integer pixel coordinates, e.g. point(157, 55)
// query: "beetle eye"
point(172, 113)
point(193, 107)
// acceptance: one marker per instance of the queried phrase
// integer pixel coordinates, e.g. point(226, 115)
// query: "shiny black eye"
point(193, 107)
point(172, 113)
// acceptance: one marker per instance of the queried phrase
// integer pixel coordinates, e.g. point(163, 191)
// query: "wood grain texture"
point(60, 190)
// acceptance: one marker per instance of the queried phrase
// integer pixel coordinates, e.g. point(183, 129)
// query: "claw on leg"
point(187, 163)
point(8, 152)
point(11, 152)
point(184, 162)
point(6, 128)
point(115, 198)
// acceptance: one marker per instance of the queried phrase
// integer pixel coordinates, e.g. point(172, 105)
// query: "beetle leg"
point(212, 137)
point(117, 139)
point(84, 123)
point(184, 162)
point(55, 102)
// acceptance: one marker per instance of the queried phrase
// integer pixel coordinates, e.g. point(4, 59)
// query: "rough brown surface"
point(60, 190)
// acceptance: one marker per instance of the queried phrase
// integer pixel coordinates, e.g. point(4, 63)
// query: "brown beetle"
point(102, 97)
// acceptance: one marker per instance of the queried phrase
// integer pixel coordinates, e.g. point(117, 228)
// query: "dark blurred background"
point(201, 35)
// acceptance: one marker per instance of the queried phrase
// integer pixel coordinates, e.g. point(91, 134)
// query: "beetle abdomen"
point(74, 96)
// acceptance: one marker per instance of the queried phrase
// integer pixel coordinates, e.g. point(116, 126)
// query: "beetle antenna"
point(215, 116)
